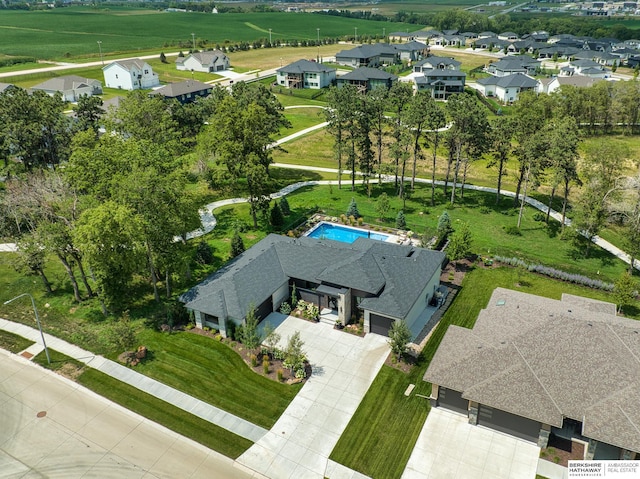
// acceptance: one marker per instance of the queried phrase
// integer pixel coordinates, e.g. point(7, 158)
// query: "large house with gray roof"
point(375, 55)
point(206, 62)
point(367, 79)
point(71, 87)
point(381, 281)
point(305, 74)
point(533, 367)
point(185, 92)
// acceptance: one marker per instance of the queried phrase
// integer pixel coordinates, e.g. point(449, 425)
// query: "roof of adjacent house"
point(592, 71)
point(519, 80)
point(204, 58)
point(173, 90)
point(585, 63)
point(65, 83)
point(395, 274)
point(413, 46)
point(434, 60)
point(366, 74)
point(5, 86)
point(577, 81)
point(437, 73)
point(128, 64)
point(546, 359)
point(520, 62)
point(368, 51)
point(305, 66)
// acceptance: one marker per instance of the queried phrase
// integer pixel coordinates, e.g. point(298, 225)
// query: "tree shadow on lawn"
point(285, 176)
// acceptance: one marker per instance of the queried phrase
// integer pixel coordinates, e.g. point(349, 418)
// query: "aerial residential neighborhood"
point(325, 241)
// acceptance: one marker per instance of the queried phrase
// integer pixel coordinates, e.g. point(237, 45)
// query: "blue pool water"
point(344, 234)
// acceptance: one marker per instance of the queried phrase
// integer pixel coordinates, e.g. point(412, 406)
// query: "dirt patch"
point(70, 371)
point(454, 274)
point(405, 364)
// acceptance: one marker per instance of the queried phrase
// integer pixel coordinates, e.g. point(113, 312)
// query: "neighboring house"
point(436, 63)
point(510, 36)
point(552, 84)
point(412, 51)
point(558, 51)
point(207, 62)
point(367, 79)
point(132, 74)
point(508, 88)
point(491, 43)
point(72, 87)
point(449, 40)
point(510, 65)
point(582, 66)
point(487, 34)
point(535, 367)
point(305, 74)
point(441, 83)
point(6, 86)
point(373, 56)
point(401, 37)
point(426, 35)
point(186, 91)
point(384, 282)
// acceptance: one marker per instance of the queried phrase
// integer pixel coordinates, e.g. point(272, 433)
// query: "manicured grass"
point(207, 434)
point(538, 243)
point(281, 56)
point(213, 372)
point(382, 433)
point(300, 119)
point(13, 343)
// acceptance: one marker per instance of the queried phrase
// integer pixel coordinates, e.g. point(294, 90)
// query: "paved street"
point(84, 435)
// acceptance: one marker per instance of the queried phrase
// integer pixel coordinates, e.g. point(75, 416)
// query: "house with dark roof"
point(488, 43)
point(441, 83)
point(382, 281)
point(508, 88)
point(71, 87)
point(510, 65)
point(452, 40)
point(436, 63)
point(6, 86)
point(550, 85)
point(206, 62)
point(412, 51)
point(367, 79)
point(374, 55)
point(536, 367)
point(511, 36)
point(305, 74)
point(134, 74)
point(186, 91)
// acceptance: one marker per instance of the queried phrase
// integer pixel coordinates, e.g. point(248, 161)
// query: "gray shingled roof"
point(173, 90)
point(65, 83)
point(129, 64)
point(413, 46)
point(366, 74)
point(578, 81)
point(547, 359)
point(305, 66)
point(434, 60)
point(519, 80)
point(397, 273)
point(368, 51)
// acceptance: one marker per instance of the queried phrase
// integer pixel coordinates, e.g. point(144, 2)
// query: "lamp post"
point(318, 42)
point(100, 49)
point(356, 37)
point(269, 37)
point(35, 310)
point(193, 40)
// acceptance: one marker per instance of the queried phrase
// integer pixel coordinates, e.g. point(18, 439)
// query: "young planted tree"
point(401, 222)
point(459, 244)
point(352, 210)
point(284, 206)
point(625, 291)
point(382, 206)
point(277, 219)
point(271, 337)
point(250, 335)
point(444, 227)
point(399, 337)
point(237, 245)
point(294, 355)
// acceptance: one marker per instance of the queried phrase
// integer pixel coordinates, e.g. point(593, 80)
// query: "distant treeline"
point(191, 6)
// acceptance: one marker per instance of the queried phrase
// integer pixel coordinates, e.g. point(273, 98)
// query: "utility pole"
point(356, 36)
point(318, 42)
point(100, 48)
point(193, 39)
point(269, 37)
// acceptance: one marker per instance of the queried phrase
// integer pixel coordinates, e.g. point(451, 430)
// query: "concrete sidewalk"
point(139, 381)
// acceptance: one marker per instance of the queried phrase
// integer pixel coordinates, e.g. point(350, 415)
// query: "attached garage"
point(265, 309)
point(512, 424)
point(452, 400)
point(380, 324)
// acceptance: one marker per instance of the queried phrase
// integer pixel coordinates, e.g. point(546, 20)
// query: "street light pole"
point(35, 310)
point(269, 37)
point(100, 48)
point(356, 40)
point(193, 39)
point(318, 42)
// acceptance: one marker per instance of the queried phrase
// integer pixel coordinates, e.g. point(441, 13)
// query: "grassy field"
point(74, 31)
point(210, 435)
point(381, 434)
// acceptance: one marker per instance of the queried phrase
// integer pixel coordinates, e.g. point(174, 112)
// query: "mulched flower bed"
point(406, 363)
point(561, 451)
point(288, 377)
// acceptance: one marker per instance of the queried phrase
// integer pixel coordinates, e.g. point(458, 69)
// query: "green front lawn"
point(211, 371)
point(207, 434)
point(382, 433)
point(13, 343)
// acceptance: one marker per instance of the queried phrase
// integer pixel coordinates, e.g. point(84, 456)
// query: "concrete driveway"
point(84, 435)
point(449, 447)
point(344, 366)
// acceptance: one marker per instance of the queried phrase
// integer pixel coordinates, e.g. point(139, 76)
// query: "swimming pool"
point(345, 234)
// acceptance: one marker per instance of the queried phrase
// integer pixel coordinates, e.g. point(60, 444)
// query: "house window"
point(146, 72)
point(116, 76)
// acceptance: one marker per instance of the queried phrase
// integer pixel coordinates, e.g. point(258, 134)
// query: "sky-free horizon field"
point(75, 31)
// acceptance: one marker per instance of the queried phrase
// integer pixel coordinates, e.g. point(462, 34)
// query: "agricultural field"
point(73, 32)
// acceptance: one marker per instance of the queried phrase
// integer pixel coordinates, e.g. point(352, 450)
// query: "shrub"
point(285, 308)
point(277, 219)
point(352, 220)
point(343, 219)
point(512, 230)
point(265, 364)
point(284, 206)
point(352, 210)
point(237, 245)
point(538, 216)
point(360, 221)
point(254, 360)
point(280, 374)
point(485, 210)
point(401, 222)
point(204, 253)
point(301, 373)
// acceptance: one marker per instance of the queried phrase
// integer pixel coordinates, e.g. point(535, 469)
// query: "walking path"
point(139, 381)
